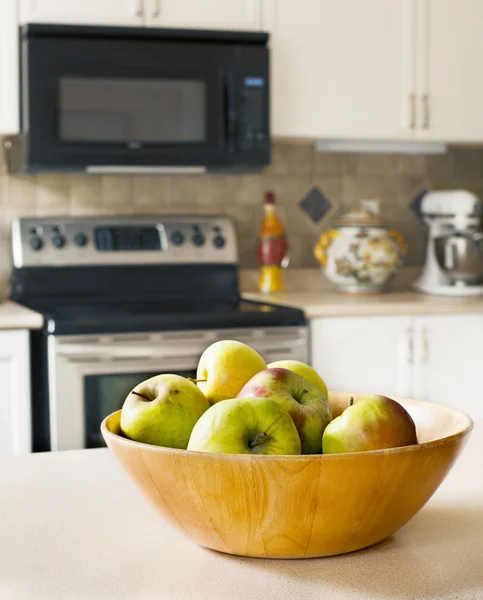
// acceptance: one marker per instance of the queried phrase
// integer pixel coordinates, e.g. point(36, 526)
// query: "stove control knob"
point(219, 241)
point(177, 238)
point(58, 240)
point(36, 243)
point(80, 239)
point(198, 239)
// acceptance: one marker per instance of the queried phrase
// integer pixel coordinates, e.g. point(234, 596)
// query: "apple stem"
point(258, 439)
point(140, 395)
point(197, 380)
point(351, 400)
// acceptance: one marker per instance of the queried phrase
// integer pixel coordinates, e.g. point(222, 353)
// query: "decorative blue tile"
point(415, 204)
point(315, 204)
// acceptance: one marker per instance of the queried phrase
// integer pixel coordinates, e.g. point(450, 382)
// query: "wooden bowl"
point(295, 506)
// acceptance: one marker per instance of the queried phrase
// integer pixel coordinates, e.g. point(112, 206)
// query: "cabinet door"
point(342, 68)
point(208, 14)
point(9, 80)
point(364, 354)
point(15, 416)
point(450, 82)
point(449, 355)
point(93, 12)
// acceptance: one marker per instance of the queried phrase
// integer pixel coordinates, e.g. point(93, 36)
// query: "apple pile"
point(239, 405)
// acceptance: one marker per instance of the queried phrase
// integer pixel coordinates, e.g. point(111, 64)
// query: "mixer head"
point(451, 202)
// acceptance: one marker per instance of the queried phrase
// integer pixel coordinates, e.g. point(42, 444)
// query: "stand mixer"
point(454, 256)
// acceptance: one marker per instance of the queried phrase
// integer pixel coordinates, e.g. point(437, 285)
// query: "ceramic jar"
point(360, 254)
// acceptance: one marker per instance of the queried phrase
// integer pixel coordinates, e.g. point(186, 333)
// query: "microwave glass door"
point(136, 103)
point(130, 111)
point(104, 394)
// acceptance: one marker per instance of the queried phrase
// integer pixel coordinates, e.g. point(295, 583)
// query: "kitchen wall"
point(344, 179)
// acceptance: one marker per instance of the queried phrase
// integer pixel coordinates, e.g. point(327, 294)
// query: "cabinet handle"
point(412, 111)
point(425, 103)
point(410, 335)
point(425, 346)
point(157, 8)
point(140, 8)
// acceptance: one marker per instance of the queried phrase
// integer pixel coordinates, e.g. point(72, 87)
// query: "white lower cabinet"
point(435, 358)
point(15, 413)
point(363, 354)
point(449, 361)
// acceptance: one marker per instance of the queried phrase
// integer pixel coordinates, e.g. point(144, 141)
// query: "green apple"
point(302, 369)
point(306, 404)
point(163, 411)
point(225, 367)
point(373, 423)
point(246, 426)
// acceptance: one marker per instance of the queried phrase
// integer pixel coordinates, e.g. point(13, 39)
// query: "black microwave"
point(141, 100)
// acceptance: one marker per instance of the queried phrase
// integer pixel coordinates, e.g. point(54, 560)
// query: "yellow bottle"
point(272, 248)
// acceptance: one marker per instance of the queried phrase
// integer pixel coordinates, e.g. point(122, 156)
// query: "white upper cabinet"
point(450, 81)
point(204, 14)
point(9, 71)
point(92, 12)
point(342, 68)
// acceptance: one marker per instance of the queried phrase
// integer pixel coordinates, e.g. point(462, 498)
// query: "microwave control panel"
point(253, 118)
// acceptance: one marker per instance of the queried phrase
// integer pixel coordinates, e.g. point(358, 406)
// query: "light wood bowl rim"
point(107, 433)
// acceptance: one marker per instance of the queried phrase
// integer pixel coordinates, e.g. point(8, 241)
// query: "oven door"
point(89, 376)
point(92, 378)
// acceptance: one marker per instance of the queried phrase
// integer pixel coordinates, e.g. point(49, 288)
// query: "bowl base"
point(297, 556)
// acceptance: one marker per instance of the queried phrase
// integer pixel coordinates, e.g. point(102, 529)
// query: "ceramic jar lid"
point(359, 218)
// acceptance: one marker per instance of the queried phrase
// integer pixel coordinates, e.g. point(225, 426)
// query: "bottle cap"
point(269, 198)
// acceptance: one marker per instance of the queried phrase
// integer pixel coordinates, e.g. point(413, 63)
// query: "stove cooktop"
point(106, 275)
point(163, 315)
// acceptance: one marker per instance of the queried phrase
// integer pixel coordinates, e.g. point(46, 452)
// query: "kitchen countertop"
point(332, 304)
point(14, 316)
point(74, 527)
point(308, 290)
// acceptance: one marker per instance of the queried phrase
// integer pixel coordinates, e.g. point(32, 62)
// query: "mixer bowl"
point(460, 256)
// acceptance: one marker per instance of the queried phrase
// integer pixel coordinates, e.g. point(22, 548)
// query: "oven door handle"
point(99, 353)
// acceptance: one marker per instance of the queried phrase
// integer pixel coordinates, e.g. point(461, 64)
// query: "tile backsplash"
point(343, 178)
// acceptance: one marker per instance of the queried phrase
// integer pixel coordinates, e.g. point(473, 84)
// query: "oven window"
point(104, 394)
point(132, 110)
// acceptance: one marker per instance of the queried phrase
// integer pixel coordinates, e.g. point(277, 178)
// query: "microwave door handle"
point(229, 112)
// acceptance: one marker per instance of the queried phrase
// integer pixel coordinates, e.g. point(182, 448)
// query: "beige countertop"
point(332, 304)
point(73, 527)
point(307, 289)
point(14, 316)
